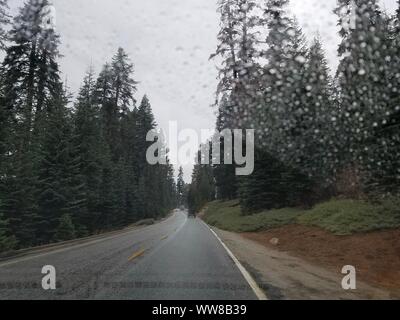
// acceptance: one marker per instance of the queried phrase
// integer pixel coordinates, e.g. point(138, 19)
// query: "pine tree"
point(180, 186)
point(227, 38)
point(19, 189)
point(29, 79)
point(4, 114)
point(364, 83)
point(109, 111)
point(290, 114)
point(274, 72)
point(202, 189)
point(240, 78)
point(170, 188)
point(144, 122)
point(108, 201)
point(120, 186)
point(7, 242)
point(128, 138)
point(320, 150)
point(4, 21)
point(239, 73)
point(279, 122)
point(383, 150)
point(224, 173)
point(124, 86)
point(60, 184)
point(361, 84)
point(30, 70)
point(115, 90)
point(266, 188)
point(88, 141)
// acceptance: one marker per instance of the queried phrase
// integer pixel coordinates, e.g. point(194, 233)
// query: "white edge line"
point(250, 280)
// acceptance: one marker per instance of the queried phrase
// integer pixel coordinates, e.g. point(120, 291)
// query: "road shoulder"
point(283, 276)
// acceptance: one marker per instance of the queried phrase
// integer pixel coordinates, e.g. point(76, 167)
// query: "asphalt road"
point(176, 259)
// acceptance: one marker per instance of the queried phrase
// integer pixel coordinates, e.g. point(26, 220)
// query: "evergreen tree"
point(109, 111)
point(274, 73)
point(170, 188)
point(145, 123)
point(115, 90)
point(4, 21)
point(7, 242)
point(267, 187)
point(115, 96)
point(4, 114)
point(108, 199)
point(30, 70)
point(227, 47)
point(120, 186)
point(60, 184)
point(87, 139)
point(365, 86)
point(321, 150)
point(180, 186)
point(29, 79)
point(145, 173)
point(360, 78)
point(279, 178)
point(224, 173)
point(128, 136)
point(202, 189)
point(385, 150)
point(124, 86)
point(239, 73)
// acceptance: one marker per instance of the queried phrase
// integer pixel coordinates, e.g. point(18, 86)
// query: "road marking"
point(250, 280)
point(137, 254)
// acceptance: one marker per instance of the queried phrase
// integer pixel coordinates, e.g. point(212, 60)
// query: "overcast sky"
point(169, 42)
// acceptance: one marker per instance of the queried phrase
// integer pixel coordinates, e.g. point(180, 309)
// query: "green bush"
point(344, 217)
point(228, 216)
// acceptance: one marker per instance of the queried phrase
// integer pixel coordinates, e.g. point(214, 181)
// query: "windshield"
point(199, 150)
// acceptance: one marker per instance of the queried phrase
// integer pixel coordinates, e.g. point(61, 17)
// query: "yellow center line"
point(137, 254)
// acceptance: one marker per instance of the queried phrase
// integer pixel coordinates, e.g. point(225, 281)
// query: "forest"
point(74, 166)
point(320, 133)
point(70, 167)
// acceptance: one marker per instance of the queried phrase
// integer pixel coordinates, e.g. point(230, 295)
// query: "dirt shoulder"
point(306, 262)
point(376, 255)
